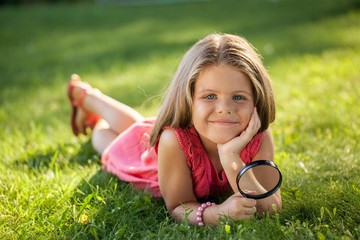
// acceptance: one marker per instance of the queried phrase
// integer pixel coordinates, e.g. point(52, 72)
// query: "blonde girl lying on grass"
point(213, 121)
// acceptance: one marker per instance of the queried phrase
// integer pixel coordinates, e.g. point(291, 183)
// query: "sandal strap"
point(85, 91)
point(92, 118)
point(79, 102)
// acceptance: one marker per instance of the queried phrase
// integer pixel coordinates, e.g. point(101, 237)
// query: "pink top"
point(131, 158)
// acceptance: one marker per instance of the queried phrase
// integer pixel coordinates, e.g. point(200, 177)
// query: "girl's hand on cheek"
point(236, 145)
point(252, 128)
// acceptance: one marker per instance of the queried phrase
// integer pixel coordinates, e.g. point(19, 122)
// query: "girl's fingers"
point(250, 211)
point(256, 119)
point(254, 123)
point(250, 192)
point(247, 202)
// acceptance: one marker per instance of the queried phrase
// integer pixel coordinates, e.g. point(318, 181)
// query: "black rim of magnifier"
point(254, 164)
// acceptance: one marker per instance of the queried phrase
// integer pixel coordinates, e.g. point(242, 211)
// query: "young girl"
point(213, 121)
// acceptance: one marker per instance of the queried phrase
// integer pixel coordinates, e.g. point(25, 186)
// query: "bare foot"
point(78, 87)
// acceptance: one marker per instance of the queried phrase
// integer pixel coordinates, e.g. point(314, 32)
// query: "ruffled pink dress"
point(131, 158)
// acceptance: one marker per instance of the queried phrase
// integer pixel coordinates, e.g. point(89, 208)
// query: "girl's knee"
point(102, 137)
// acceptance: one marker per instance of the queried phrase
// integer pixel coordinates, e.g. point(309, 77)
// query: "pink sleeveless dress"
point(131, 158)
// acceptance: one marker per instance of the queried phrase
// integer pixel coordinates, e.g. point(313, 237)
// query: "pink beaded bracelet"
point(199, 214)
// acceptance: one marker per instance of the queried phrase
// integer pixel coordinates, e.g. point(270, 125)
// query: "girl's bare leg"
point(102, 136)
point(115, 116)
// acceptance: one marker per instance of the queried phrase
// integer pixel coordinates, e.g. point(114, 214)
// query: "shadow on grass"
point(100, 206)
point(107, 208)
point(61, 156)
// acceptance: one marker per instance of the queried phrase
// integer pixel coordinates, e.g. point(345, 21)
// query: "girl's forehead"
point(222, 76)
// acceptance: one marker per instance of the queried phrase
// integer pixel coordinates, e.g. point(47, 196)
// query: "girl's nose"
point(223, 106)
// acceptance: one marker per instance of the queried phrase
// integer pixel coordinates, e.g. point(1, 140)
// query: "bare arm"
point(177, 188)
point(266, 152)
point(175, 179)
point(232, 164)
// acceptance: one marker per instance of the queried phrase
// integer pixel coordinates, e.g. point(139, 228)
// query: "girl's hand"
point(238, 207)
point(252, 128)
point(236, 145)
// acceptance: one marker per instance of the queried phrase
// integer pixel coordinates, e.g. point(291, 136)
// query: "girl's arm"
point(272, 203)
point(232, 164)
point(177, 189)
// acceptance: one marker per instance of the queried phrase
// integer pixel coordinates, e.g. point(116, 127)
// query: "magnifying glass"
point(270, 183)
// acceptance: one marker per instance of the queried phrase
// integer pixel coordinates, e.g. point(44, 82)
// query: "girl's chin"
point(223, 140)
point(218, 138)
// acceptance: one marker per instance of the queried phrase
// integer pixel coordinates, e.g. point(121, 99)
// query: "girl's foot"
point(81, 119)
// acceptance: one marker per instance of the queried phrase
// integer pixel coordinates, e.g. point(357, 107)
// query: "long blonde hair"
point(214, 49)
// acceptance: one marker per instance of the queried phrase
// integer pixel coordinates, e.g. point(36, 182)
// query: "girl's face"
point(222, 105)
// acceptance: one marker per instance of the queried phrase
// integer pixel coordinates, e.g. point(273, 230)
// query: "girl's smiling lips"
point(223, 122)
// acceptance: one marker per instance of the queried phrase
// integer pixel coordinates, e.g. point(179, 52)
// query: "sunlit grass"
point(51, 183)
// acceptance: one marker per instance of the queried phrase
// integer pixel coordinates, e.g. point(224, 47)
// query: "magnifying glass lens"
point(252, 186)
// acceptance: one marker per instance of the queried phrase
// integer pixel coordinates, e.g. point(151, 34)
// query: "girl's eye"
point(238, 98)
point(210, 96)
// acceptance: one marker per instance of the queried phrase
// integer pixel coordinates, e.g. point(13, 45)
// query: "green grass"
point(51, 183)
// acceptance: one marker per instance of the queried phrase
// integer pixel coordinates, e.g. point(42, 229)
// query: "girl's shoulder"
point(185, 139)
point(168, 138)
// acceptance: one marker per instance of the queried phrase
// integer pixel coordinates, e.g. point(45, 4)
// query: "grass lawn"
point(51, 183)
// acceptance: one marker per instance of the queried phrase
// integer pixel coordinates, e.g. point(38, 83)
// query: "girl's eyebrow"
point(206, 90)
point(243, 92)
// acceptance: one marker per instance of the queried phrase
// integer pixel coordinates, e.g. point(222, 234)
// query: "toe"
point(75, 77)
